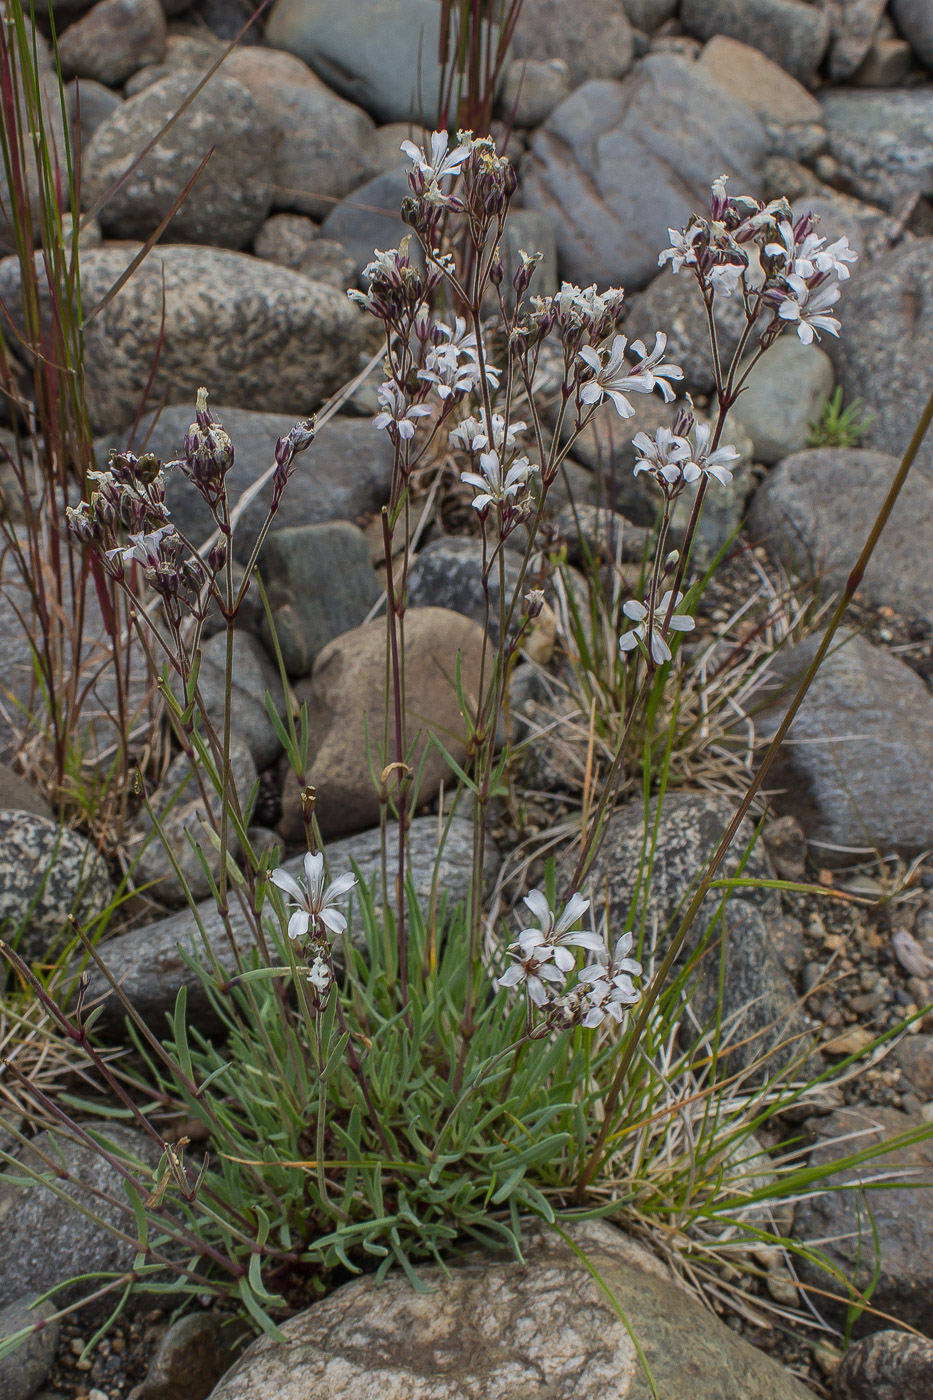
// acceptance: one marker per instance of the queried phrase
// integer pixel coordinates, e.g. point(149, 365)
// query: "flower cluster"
point(744, 238)
point(315, 918)
point(680, 455)
point(543, 956)
point(615, 379)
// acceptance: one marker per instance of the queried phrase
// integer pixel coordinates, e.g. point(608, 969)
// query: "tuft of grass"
point(838, 426)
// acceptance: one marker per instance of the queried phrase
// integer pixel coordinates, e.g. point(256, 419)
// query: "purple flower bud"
point(217, 557)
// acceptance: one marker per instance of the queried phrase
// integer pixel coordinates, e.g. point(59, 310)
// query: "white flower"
point(448, 377)
point(652, 369)
point(492, 486)
point(319, 975)
point(682, 251)
point(725, 277)
point(459, 341)
point(145, 549)
point(663, 455)
point(660, 651)
point(614, 378)
point(313, 905)
point(702, 462)
point(808, 307)
point(441, 162)
point(556, 934)
point(611, 987)
point(834, 256)
point(470, 435)
point(533, 967)
point(395, 413)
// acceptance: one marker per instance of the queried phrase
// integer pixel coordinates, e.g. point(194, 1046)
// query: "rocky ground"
point(621, 112)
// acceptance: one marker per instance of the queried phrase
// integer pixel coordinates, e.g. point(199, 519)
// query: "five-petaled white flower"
point(396, 415)
point(145, 549)
point(682, 252)
point(663, 454)
point(808, 307)
point(702, 462)
point(534, 967)
point(660, 651)
point(439, 164)
point(470, 435)
point(611, 987)
point(557, 934)
point(313, 905)
point(494, 486)
point(614, 378)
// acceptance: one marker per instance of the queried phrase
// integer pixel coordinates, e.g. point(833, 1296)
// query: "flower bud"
point(217, 556)
point(534, 602)
point(148, 467)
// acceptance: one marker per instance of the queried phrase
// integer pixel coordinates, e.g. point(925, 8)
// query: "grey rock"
point(192, 1357)
point(619, 163)
point(794, 35)
point(886, 65)
point(533, 88)
point(915, 21)
point(886, 1366)
point(179, 808)
point(23, 1370)
point(253, 675)
point(320, 143)
point(366, 1339)
point(883, 140)
point(226, 19)
point(448, 574)
point(46, 873)
point(749, 74)
point(147, 963)
point(380, 54)
point(848, 768)
point(814, 512)
point(89, 104)
point(853, 25)
point(112, 40)
point(18, 795)
point(594, 40)
point(323, 259)
point(347, 470)
point(901, 1215)
point(286, 239)
point(603, 532)
point(783, 395)
point(320, 582)
point(914, 1056)
point(371, 219)
point(46, 1239)
point(802, 142)
point(673, 305)
point(232, 195)
point(649, 15)
point(249, 331)
point(885, 345)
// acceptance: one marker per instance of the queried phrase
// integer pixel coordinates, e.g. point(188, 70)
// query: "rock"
point(380, 54)
point(371, 219)
point(448, 573)
point(23, 1370)
point(794, 35)
point(253, 675)
point(346, 694)
point(89, 104)
point(783, 395)
point(747, 73)
point(649, 15)
point(617, 164)
point(46, 1240)
point(46, 873)
point(44, 85)
point(886, 1366)
point(603, 531)
point(146, 961)
point(853, 25)
point(112, 40)
point(533, 88)
point(914, 1055)
point(192, 1357)
point(472, 1334)
point(886, 64)
point(914, 20)
point(321, 259)
point(319, 142)
point(231, 196)
point(180, 808)
point(885, 341)
point(227, 18)
point(786, 844)
point(595, 43)
point(674, 305)
point(320, 584)
point(814, 512)
point(883, 140)
point(346, 471)
point(18, 795)
point(286, 239)
point(261, 334)
point(848, 770)
point(839, 1221)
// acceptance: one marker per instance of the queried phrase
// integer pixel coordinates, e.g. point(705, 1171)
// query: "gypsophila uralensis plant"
point(384, 1084)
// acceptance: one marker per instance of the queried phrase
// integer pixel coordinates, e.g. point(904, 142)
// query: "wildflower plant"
point(388, 1079)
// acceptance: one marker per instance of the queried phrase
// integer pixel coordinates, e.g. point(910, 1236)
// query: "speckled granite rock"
point(23, 1370)
point(493, 1328)
point(46, 873)
point(886, 1366)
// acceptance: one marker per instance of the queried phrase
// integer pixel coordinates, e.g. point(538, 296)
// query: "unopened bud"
point(534, 602)
point(496, 270)
point(148, 467)
point(672, 560)
point(217, 557)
